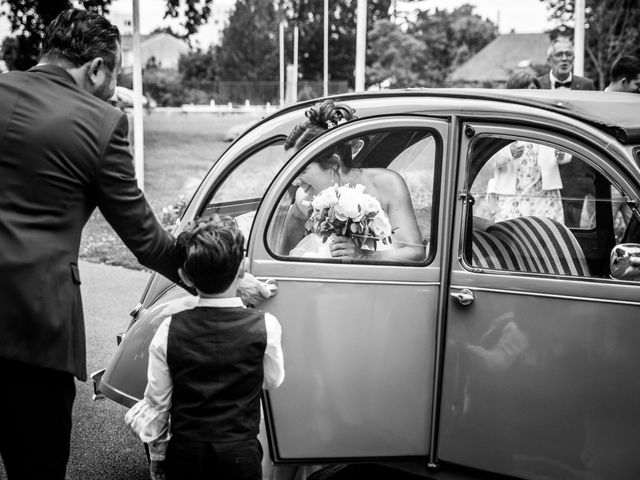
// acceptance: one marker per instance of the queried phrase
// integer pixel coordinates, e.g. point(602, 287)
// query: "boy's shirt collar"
point(220, 302)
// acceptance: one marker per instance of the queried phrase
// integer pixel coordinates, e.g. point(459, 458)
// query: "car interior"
point(538, 244)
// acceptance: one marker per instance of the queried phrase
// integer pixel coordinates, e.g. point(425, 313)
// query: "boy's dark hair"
point(212, 249)
point(79, 36)
point(627, 67)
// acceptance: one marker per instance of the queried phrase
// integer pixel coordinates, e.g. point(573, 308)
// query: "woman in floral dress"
point(527, 181)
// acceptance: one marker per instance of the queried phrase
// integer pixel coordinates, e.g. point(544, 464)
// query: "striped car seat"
point(529, 244)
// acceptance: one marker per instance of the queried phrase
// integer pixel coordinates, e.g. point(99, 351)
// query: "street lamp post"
point(294, 83)
point(325, 55)
point(281, 41)
point(578, 38)
point(361, 44)
point(138, 129)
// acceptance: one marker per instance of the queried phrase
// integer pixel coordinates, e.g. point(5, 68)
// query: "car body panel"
point(534, 378)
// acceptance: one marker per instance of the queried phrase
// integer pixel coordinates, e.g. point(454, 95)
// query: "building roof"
point(127, 40)
point(506, 53)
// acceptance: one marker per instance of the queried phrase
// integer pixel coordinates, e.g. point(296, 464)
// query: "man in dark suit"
point(63, 152)
point(560, 57)
point(577, 177)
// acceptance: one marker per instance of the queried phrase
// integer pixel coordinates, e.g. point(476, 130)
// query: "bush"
point(172, 213)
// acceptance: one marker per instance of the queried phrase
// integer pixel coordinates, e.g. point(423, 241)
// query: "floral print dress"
point(530, 199)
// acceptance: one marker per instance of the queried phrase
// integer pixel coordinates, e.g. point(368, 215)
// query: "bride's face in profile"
point(313, 179)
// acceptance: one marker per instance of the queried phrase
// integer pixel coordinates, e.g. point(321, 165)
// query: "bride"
point(335, 167)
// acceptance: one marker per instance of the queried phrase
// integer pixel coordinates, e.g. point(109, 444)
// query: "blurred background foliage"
point(411, 51)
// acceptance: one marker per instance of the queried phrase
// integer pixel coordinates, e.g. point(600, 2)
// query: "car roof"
point(615, 113)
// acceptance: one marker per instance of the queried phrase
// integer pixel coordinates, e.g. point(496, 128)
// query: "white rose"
point(370, 204)
point(327, 198)
point(380, 226)
point(349, 204)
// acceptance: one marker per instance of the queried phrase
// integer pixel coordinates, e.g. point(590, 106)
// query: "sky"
point(522, 16)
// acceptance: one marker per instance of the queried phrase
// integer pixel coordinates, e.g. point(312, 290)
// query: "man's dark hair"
point(627, 67)
point(79, 36)
point(212, 250)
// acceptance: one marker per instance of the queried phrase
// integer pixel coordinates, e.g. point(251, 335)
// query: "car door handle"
point(464, 297)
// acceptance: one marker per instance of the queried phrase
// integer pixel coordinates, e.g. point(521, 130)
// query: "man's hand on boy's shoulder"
point(253, 291)
point(156, 470)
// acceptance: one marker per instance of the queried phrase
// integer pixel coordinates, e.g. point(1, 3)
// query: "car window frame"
point(598, 158)
point(328, 143)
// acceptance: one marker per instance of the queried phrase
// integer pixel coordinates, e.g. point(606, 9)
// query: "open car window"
point(397, 169)
point(240, 192)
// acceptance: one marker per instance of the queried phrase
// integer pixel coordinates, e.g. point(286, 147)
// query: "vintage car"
point(509, 349)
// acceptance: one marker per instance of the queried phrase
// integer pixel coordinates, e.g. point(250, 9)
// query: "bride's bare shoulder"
point(384, 179)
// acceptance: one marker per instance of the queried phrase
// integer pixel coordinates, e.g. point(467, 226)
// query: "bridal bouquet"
point(348, 211)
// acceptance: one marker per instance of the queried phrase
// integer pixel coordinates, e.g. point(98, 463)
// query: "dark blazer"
point(577, 177)
point(577, 83)
point(63, 152)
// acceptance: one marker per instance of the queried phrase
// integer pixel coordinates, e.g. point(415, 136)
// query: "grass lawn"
point(178, 150)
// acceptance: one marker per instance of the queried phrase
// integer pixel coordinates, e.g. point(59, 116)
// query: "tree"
point(198, 65)
point(249, 47)
point(309, 17)
point(395, 56)
point(423, 52)
point(611, 30)
point(28, 19)
point(450, 38)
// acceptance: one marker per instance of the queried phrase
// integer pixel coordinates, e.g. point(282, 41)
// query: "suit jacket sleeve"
point(126, 209)
point(584, 83)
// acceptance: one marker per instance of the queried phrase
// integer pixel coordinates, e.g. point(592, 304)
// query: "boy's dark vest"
point(215, 358)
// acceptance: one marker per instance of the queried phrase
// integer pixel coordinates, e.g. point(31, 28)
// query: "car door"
point(539, 376)
point(358, 338)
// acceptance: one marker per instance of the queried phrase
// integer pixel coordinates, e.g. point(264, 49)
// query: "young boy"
point(200, 413)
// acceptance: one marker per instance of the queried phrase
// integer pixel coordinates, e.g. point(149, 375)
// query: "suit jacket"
point(63, 152)
point(577, 83)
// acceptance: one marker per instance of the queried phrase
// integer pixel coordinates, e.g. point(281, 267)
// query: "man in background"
point(625, 75)
point(577, 177)
point(560, 57)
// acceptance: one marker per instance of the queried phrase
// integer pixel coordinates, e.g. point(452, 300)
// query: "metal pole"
point(295, 63)
point(281, 39)
point(361, 44)
point(325, 60)
point(578, 38)
point(138, 130)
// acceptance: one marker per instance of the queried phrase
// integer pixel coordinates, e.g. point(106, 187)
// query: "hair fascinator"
point(329, 114)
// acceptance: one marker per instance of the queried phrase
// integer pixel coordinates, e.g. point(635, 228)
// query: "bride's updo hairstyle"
point(320, 118)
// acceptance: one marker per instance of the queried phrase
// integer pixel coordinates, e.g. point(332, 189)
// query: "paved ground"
point(102, 448)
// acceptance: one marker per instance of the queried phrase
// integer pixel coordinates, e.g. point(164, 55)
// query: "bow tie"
point(562, 84)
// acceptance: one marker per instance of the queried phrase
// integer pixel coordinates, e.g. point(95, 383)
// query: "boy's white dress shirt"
point(150, 417)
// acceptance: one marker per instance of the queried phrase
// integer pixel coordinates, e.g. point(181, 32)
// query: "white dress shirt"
point(553, 81)
point(150, 417)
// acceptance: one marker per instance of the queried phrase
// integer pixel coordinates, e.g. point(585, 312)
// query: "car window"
point(538, 208)
point(244, 185)
point(380, 210)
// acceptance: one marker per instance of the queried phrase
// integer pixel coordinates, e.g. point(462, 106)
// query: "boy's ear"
point(185, 277)
point(244, 265)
